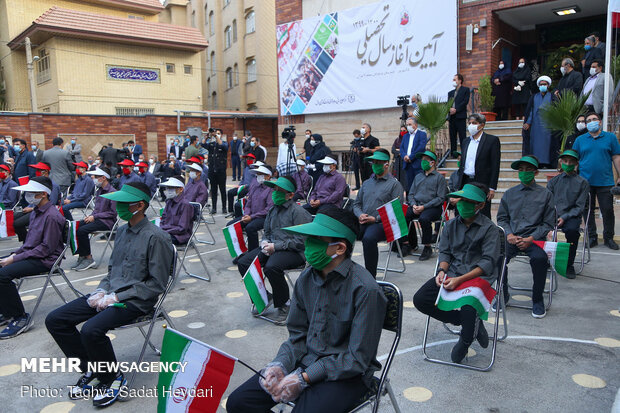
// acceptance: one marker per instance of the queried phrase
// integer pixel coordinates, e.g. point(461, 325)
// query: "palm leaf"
point(562, 114)
point(432, 116)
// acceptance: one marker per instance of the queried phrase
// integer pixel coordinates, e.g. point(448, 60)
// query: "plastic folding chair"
point(109, 240)
point(389, 252)
point(206, 223)
point(158, 314)
point(191, 243)
point(290, 282)
point(499, 300)
point(441, 221)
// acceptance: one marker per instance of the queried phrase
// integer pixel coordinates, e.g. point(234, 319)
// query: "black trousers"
point(571, 231)
point(502, 113)
point(356, 172)
point(84, 230)
point(314, 211)
point(10, 303)
point(539, 264)
point(605, 203)
point(235, 161)
point(425, 219)
point(21, 221)
point(424, 300)
point(273, 267)
point(326, 396)
point(217, 180)
point(457, 126)
point(251, 230)
point(519, 109)
point(371, 234)
point(91, 343)
point(232, 193)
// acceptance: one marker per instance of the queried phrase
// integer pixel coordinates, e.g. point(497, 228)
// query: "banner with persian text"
point(363, 58)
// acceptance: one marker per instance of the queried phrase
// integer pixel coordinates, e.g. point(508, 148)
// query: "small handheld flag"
point(557, 253)
point(255, 284)
point(234, 239)
point(393, 219)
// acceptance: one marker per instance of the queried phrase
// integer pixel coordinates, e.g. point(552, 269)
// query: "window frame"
point(251, 70)
point(250, 17)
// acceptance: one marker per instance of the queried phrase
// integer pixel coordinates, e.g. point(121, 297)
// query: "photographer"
point(356, 147)
point(287, 152)
point(369, 145)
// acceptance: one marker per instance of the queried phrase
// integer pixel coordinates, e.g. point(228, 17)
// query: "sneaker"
point(3, 320)
point(494, 305)
point(570, 272)
point(86, 264)
point(281, 316)
point(84, 386)
point(427, 252)
point(106, 394)
point(269, 304)
point(405, 249)
point(611, 244)
point(459, 351)
point(16, 326)
point(538, 309)
point(593, 242)
point(483, 336)
point(77, 264)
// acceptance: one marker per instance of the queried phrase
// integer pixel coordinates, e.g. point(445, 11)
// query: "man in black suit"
point(571, 79)
point(176, 149)
point(480, 158)
point(458, 111)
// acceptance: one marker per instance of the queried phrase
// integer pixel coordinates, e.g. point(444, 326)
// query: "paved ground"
point(566, 362)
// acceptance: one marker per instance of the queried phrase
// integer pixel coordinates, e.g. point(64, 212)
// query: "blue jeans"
point(66, 209)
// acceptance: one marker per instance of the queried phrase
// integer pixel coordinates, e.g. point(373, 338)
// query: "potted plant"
point(432, 116)
point(487, 100)
point(562, 113)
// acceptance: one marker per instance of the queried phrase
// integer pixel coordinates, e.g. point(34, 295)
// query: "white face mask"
point(312, 143)
point(592, 71)
point(97, 162)
point(501, 66)
point(454, 84)
point(307, 136)
point(260, 178)
point(193, 175)
point(30, 198)
point(521, 65)
point(563, 70)
point(151, 161)
point(581, 126)
point(472, 129)
point(363, 131)
point(234, 138)
point(410, 129)
point(327, 169)
point(97, 182)
point(170, 193)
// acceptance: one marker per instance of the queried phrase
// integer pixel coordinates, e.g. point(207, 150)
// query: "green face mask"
point(526, 177)
point(466, 209)
point(278, 197)
point(426, 165)
point(122, 209)
point(315, 253)
point(377, 168)
point(567, 168)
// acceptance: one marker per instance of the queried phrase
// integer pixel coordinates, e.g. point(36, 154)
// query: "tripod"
point(353, 155)
point(291, 158)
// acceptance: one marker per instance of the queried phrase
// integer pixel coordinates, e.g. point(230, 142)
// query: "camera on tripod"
point(403, 102)
point(289, 134)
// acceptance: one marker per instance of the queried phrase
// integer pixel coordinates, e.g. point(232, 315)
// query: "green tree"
point(432, 116)
point(561, 114)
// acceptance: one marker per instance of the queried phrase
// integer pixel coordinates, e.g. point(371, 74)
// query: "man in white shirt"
point(595, 85)
point(284, 165)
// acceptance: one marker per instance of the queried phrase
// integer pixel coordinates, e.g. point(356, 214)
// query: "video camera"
point(288, 134)
point(403, 102)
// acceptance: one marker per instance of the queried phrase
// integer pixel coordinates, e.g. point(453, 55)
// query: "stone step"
point(505, 123)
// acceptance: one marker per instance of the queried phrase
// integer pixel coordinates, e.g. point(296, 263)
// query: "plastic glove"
point(290, 387)
point(94, 297)
point(107, 299)
point(521, 83)
point(263, 243)
point(272, 373)
point(269, 248)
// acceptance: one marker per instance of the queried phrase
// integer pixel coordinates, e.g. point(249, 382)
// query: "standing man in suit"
point(60, 162)
point(458, 111)
point(38, 153)
point(414, 141)
point(480, 158)
point(595, 85)
point(176, 149)
point(75, 150)
point(235, 158)
point(571, 79)
point(134, 150)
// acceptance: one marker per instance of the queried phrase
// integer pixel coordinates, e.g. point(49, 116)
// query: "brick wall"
point(288, 10)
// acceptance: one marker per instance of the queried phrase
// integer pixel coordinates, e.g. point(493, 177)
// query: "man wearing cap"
point(23, 158)
point(244, 184)
point(303, 181)
point(82, 190)
point(128, 174)
point(8, 198)
point(137, 274)
point(414, 142)
point(379, 189)
point(337, 312)
point(41, 248)
point(329, 189)
point(178, 214)
point(258, 203)
point(279, 250)
point(195, 190)
point(526, 212)
point(146, 177)
point(60, 163)
point(218, 152)
point(426, 197)
point(570, 195)
point(102, 218)
point(468, 249)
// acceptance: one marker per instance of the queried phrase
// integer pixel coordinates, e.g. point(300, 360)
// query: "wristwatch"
point(439, 270)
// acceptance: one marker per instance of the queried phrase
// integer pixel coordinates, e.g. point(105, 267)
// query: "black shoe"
point(236, 259)
point(434, 238)
point(611, 244)
point(84, 387)
point(357, 188)
point(593, 242)
point(229, 215)
point(483, 336)
point(426, 253)
point(405, 249)
point(570, 272)
point(538, 309)
point(224, 211)
point(459, 351)
point(213, 211)
point(3, 320)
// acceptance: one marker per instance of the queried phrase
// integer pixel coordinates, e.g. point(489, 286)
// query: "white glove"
point(517, 88)
point(272, 373)
point(107, 299)
point(94, 297)
point(521, 82)
point(290, 387)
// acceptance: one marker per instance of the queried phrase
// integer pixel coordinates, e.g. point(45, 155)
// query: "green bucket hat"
point(324, 226)
point(128, 193)
point(378, 156)
point(430, 154)
point(570, 152)
point(471, 192)
point(456, 154)
point(526, 159)
point(281, 183)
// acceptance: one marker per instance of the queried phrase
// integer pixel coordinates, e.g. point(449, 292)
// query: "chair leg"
point(392, 395)
point(387, 261)
point(62, 297)
point(107, 243)
point(77, 293)
point(151, 345)
point(204, 265)
point(147, 341)
point(40, 298)
point(210, 242)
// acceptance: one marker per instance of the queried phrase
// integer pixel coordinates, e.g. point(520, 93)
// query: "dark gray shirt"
point(285, 215)
point(570, 194)
point(376, 192)
point(140, 264)
point(335, 324)
point(527, 210)
point(466, 248)
point(428, 190)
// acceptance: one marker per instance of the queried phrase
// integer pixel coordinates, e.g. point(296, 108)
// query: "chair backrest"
point(197, 211)
point(171, 278)
point(501, 262)
point(393, 321)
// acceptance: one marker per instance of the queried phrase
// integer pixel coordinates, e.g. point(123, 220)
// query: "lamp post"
point(30, 67)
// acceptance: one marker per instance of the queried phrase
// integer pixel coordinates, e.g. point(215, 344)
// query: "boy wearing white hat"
point(303, 180)
point(329, 188)
point(195, 190)
point(177, 217)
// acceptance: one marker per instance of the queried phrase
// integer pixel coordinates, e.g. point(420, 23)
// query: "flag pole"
point(445, 274)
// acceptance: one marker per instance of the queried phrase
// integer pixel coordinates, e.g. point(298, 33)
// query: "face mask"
point(135, 168)
point(521, 65)
point(98, 183)
point(97, 162)
point(151, 161)
point(593, 126)
point(126, 171)
point(78, 172)
point(313, 143)
point(37, 173)
point(73, 142)
point(252, 144)
point(315, 252)
point(193, 175)
point(234, 138)
point(526, 177)
point(567, 168)
point(3, 175)
point(363, 131)
point(176, 144)
point(34, 148)
point(542, 88)
point(1, 141)
point(307, 136)
point(122, 209)
point(426, 165)
point(501, 66)
point(249, 162)
point(458, 164)
point(170, 193)
point(466, 209)
point(278, 197)
point(563, 70)
point(410, 129)
point(17, 148)
point(357, 138)
point(260, 179)
point(472, 129)
point(581, 126)
point(30, 198)
point(454, 84)
point(327, 169)
point(587, 47)
point(592, 71)
point(377, 168)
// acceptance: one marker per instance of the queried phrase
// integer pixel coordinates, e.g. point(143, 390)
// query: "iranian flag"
point(255, 284)
point(476, 292)
point(234, 239)
point(557, 253)
point(393, 219)
point(243, 202)
point(6, 224)
point(199, 386)
point(156, 221)
point(73, 242)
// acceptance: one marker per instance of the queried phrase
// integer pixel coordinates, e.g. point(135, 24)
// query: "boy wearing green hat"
point(377, 190)
point(527, 213)
point(570, 195)
point(278, 250)
point(468, 249)
point(337, 312)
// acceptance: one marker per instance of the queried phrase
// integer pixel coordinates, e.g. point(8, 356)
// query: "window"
point(249, 22)
point(211, 25)
point(194, 18)
point(236, 73)
point(251, 69)
point(43, 67)
point(252, 107)
point(188, 69)
point(227, 37)
point(213, 62)
point(229, 78)
point(131, 16)
point(214, 100)
point(169, 67)
point(234, 30)
point(134, 111)
point(206, 18)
